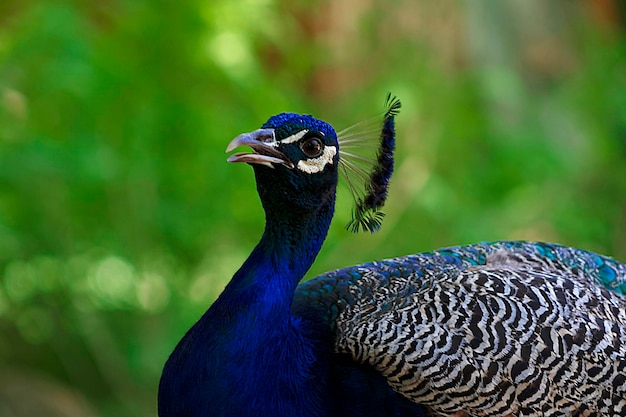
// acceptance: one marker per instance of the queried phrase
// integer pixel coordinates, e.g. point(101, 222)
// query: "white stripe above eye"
point(295, 137)
point(311, 166)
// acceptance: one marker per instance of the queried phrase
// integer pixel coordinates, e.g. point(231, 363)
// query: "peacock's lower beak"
point(263, 143)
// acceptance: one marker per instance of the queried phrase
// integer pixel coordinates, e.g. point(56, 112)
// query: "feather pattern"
point(494, 329)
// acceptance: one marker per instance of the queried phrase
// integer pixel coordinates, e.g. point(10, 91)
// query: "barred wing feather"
point(516, 328)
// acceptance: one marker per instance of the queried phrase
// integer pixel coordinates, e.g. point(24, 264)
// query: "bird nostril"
point(268, 138)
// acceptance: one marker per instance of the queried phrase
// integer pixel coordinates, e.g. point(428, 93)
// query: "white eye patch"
point(295, 137)
point(311, 166)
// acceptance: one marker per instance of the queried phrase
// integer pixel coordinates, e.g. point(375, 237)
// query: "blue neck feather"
point(248, 355)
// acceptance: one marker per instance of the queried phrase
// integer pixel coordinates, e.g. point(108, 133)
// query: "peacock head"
point(296, 163)
point(295, 159)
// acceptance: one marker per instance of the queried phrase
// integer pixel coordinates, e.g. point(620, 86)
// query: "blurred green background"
point(120, 220)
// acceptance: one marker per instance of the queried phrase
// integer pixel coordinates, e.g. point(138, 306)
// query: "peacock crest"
point(368, 173)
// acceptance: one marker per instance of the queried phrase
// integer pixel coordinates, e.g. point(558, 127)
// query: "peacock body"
point(494, 329)
point(507, 328)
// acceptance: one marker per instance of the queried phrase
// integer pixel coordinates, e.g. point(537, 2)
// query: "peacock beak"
point(264, 144)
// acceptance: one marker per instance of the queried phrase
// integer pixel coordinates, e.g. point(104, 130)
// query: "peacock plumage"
point(493, 329)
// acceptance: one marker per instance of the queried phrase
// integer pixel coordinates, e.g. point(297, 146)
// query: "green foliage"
point(120, 220)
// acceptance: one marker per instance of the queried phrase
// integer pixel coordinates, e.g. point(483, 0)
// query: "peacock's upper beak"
point(264, 144)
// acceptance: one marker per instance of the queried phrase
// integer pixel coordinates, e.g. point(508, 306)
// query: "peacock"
point(490, 329)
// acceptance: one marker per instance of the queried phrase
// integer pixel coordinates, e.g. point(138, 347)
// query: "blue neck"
point(270, 275)
point(248, 355)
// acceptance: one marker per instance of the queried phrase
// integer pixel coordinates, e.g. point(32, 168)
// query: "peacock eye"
point(312, 147)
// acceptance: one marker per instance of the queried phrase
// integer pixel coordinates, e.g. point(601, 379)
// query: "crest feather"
point(370, 198)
